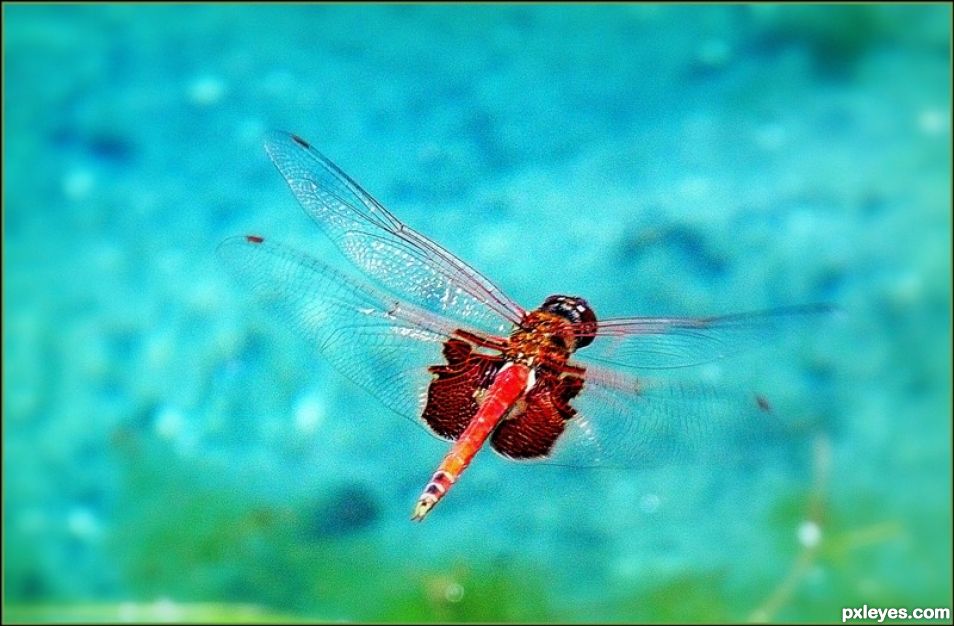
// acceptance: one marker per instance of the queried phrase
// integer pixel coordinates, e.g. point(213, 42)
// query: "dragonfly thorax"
point(542, 338)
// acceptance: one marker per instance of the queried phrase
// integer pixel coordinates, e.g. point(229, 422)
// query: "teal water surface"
point(173, 452)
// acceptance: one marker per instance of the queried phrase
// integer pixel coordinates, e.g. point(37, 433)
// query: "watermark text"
point(874, 613)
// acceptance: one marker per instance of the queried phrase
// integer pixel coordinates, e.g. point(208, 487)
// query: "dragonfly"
point(437, 342)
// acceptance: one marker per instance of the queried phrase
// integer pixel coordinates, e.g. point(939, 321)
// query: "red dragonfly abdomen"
point(509, 384)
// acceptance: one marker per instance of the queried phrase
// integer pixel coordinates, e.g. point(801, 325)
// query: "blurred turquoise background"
point(172, 452)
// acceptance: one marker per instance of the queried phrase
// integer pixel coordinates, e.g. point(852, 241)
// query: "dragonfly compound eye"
point(578, 312)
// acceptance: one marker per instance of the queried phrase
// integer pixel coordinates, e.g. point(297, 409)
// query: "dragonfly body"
point(510, 384)
point(538, 349)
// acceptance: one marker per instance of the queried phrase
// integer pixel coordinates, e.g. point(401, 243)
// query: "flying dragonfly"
point(440, 344)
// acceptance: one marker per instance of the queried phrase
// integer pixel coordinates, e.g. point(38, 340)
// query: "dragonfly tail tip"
point(421, 509)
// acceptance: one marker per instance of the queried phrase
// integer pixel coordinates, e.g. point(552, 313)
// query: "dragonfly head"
point(578, 312)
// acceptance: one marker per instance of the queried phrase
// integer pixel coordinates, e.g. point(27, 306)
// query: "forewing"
point(674, 342)
point(402, 260)
point(379, 342)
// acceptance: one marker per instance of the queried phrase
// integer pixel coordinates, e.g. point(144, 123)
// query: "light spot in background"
point(770, 137)
point(166, 610)
point(78, 183)
point(251, 130)
point(869, 586)
point(160, 349)
point(309, 413)
point(907, 287)
point(206, 90)
point(714, 52)
point(171, 261)
point(429, 152)
point(695, 187)
point(802, 223)
point(933, 122)
point(82, 524)
point(625, 568)
point(454, 592)
point(809, 534)
point(169, 423)
point(128, 612)
point(444, 588)
point(204, 295)
point(649, 503)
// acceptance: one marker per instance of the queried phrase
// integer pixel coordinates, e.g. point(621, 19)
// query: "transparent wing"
point(402, 260)
point(629, 421)
point(379, 342)
point(674, 342)
point(386, 346)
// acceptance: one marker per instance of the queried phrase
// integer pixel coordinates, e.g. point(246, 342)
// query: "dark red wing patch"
point(452, 395)
point(536, 423)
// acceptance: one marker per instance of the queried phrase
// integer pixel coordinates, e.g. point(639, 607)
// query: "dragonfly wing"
point(402, 260)
point(379, 342)
point(538, 421)
point(641, 422)
point(674, 342)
